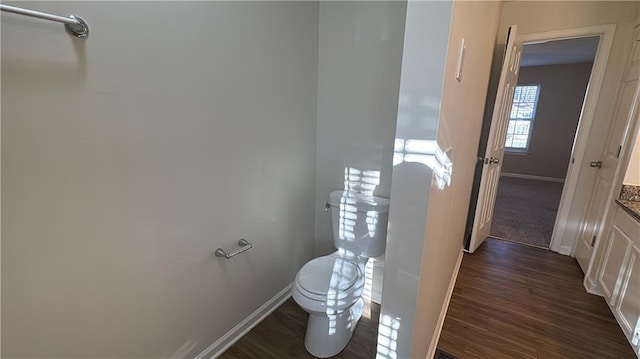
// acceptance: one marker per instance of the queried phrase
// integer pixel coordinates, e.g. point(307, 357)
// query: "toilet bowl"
point(330, 288)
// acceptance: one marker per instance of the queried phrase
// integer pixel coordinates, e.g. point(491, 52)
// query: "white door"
point(604, 167)
point(495, 143)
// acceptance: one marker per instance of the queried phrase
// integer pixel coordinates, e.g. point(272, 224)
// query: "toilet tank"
point(359, 222)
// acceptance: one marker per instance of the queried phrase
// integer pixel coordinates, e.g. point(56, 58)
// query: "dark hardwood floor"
point(281, 335)
point(515, 301)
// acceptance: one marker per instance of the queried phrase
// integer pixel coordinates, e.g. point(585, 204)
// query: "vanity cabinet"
point(620, 274)
point(627, 311)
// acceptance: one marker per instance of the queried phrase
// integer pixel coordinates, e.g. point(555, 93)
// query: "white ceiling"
point(560, 52)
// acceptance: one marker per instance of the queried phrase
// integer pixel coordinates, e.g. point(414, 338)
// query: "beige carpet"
point(525, 211)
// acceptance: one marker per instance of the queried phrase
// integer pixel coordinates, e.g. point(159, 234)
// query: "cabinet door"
point(628, 308)
point(614, 258)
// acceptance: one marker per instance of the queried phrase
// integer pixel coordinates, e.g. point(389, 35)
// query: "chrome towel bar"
point(73, 24)
point(244, 246)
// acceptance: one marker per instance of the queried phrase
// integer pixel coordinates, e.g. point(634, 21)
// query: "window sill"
point(516, 152)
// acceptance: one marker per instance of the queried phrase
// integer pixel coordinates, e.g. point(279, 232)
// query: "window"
point(523, 111)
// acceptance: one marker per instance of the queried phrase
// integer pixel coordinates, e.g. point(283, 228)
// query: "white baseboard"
point(226, 341)
point(376, 296)
point(443, 312)
point(565, 250)
point(592, 287)
point(532, 177)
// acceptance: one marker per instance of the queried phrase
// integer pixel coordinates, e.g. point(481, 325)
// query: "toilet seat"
point(326, 275)
point(329, 282)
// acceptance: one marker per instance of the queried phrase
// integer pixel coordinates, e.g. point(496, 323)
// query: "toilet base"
point(328, 334)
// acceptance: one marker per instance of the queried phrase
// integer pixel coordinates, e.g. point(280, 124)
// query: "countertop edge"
point(635, 213)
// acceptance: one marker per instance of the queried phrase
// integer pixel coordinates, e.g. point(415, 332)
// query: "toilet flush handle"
point(326, 207)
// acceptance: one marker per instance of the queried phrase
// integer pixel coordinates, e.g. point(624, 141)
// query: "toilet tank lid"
point(360, 201)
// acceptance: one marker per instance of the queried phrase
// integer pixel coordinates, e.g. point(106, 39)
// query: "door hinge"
point(593, 241)
point(619, 150)
point(573, 160)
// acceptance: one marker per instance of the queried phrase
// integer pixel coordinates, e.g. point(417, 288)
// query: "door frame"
point(562, 239)
point(628, 143)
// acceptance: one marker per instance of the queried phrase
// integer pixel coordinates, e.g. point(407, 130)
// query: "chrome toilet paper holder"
point(244, 246)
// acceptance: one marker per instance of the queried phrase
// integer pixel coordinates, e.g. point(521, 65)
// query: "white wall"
point(360, 54)
point(459, 130)
point(127, 159)
point(418, 111)
point(632, 176)
point(426, 224)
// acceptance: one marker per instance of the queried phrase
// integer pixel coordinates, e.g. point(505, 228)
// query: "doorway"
point(545, 113)
point(496, 119)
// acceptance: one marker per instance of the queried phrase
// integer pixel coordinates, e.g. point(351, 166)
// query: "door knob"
point(494, 160)
point(595, 164)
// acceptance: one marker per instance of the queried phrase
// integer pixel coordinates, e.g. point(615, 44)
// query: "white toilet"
point(329, 288)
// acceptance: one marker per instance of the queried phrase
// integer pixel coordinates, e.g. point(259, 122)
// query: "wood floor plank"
point(535, 306)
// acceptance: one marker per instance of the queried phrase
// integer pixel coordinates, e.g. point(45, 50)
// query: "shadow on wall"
point(428, 153)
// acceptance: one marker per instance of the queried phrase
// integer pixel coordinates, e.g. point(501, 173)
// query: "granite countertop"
point(629, 200)
point(631, 207)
